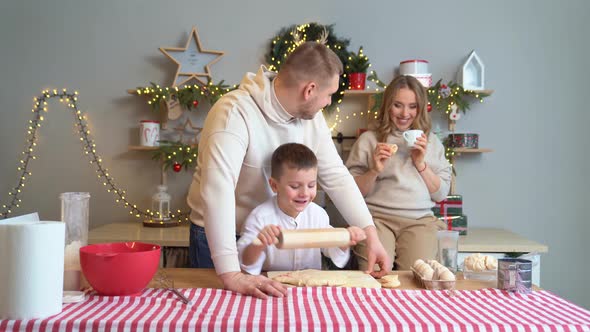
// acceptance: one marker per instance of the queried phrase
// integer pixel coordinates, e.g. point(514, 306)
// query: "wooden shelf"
point(485, 91)
point(361, 92)
point(469, 150)
point(368, 92)
point(142, 148)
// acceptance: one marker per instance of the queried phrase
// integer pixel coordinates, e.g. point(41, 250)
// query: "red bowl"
point(123, 268)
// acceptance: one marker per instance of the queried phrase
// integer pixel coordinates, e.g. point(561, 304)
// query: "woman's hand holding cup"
point(410, 136)
point(418, 151)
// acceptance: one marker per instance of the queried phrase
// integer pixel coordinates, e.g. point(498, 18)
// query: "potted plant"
point(356, 69)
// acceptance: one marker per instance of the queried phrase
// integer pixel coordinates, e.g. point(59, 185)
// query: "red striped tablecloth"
point(320, 308)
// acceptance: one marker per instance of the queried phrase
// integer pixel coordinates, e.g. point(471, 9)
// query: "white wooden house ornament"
point(471, 73)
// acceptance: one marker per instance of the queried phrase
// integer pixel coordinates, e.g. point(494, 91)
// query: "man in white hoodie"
point(233, 167)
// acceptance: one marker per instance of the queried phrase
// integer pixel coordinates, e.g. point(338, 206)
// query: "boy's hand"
point(356, 235)
point(269, 235)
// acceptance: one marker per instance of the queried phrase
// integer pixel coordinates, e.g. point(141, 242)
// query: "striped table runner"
point(319, 308)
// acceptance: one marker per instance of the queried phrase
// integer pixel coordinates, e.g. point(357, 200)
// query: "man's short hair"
point(292, 155)
point(311, 61)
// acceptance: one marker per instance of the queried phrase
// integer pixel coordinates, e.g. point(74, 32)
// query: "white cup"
point(149, 133)
point(411, 135)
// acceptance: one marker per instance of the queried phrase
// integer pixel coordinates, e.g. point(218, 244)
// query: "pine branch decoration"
point(170, 152)
point(357, 62)
point(188, 96)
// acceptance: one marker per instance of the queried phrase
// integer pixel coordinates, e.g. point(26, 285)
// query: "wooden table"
point(206, 278)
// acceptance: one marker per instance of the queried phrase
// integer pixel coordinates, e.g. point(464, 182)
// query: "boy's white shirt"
point(273, 259)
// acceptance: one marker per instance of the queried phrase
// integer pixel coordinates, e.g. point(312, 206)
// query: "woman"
point(401, 187)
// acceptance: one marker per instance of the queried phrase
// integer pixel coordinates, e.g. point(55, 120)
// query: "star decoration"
point(196, 131)
point(193, 62)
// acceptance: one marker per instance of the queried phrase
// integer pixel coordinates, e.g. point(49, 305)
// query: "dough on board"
point(311, 278)
point(314, 278)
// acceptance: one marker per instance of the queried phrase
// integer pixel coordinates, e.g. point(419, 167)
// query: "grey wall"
point(534, 183)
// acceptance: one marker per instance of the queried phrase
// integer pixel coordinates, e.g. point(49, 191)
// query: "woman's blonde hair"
point(422, 121)
point(311, 61)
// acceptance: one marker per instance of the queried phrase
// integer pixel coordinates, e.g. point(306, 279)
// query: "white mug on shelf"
point(149, 133)
point(411, 135)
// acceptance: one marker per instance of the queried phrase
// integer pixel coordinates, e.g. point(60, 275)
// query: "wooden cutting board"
point(355, 278)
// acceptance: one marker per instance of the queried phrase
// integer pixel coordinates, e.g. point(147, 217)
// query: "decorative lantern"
point(161, 204)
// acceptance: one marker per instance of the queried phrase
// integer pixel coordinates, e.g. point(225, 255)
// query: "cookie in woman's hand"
point(392, 148)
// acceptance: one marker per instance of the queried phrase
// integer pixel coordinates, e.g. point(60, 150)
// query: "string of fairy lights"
point(159, 94)
point(188, 96)
point(40, 107)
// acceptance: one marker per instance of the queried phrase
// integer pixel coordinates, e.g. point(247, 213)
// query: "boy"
point(293, 180)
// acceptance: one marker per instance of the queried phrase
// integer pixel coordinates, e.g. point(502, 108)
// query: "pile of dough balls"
point(433, 270)
point(478, 262)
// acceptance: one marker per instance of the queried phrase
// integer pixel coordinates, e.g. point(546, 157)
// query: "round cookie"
point(390, 281)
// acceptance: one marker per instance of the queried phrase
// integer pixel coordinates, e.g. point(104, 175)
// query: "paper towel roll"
point(32, 268)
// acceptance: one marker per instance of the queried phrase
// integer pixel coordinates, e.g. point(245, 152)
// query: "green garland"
point(378, 96)
point(188, 96)
point(443, 96)
point(288, 39)
point(170, 153)
point(440, 96)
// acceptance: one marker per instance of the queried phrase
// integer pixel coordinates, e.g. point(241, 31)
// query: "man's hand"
point(376, 254)
point(258, 286)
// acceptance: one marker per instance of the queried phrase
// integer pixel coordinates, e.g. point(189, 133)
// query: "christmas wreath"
point(290, 37)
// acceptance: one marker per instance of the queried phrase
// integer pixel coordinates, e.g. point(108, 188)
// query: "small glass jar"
point(74, 213)
point(161, 204)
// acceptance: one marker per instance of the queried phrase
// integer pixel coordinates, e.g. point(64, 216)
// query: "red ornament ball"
point(429, 107)
point(195, 103)
point(177, 167)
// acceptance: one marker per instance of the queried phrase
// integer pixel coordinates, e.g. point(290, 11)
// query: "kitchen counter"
point(477, 239)
point(497, 240)
point(135, 231)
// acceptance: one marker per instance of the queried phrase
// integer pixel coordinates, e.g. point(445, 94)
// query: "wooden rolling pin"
point(311, 238)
